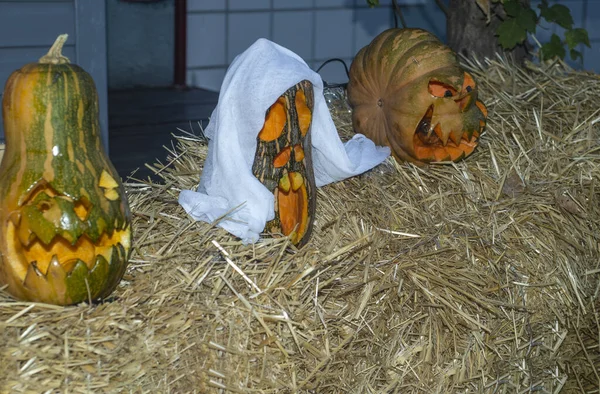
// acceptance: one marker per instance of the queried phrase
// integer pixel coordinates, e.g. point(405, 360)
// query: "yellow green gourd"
point(65, 223)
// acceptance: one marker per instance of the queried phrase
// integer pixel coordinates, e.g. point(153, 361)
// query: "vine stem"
point(54, 55)
point(442, 6)
point(399, 14)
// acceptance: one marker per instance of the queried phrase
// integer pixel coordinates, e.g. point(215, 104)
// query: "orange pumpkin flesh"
point(293, 207)
point(274, 123)
point(304, 113)
point(283, 163)
point(298, 152)
point(408, 91)
point(436, 145)
point(282, 157)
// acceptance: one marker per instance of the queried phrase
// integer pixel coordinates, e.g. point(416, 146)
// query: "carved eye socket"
point(274, 122)
point(468, 83)
point(440, 89)
point(43, 206)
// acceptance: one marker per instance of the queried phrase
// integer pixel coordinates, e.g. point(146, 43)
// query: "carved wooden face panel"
point(283, 163)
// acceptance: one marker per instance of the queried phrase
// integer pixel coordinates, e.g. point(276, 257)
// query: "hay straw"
point(480, 276)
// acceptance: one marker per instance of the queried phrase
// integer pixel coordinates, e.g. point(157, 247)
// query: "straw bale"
point(478, 277)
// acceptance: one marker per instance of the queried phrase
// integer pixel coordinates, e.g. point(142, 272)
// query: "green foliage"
point(521, 19)
point(513, 30)
point(553, 48)
point(557, 13)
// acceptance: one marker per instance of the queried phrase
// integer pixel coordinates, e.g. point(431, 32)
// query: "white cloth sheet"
point(228, 190)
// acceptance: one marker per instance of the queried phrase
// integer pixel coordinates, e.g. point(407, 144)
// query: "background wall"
point(318, 30)
point(29, 27)
point(140, 43)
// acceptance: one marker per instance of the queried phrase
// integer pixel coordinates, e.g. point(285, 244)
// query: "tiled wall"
point(318, 30)
point(140, 43)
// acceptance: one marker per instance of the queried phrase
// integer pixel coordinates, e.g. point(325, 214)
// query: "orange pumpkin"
point(283, 163)
point(408, 91)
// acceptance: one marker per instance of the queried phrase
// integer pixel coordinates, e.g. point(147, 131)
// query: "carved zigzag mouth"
point(32, 253)
point(432, 144)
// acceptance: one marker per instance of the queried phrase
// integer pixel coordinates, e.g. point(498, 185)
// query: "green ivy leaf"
point(575, 54)
point(543, 6)
point(512, 7)
point(510, 33)
point(527, 18)
point(575, 37)
point(554, 48)
point(558, 14)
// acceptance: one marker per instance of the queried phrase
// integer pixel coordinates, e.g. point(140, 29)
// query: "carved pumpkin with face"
point(65, 232)
point(408, 91)
point(283, 163)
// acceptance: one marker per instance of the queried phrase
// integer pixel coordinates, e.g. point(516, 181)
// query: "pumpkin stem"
point(54, 55)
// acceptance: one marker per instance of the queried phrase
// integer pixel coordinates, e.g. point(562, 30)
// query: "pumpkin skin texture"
point(65, 223)
point(408, 91)
point(283, 163)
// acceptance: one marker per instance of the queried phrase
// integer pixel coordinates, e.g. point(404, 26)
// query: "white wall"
point(20, 44)
point(141, 41)
point(317, 30)
point(29, 27)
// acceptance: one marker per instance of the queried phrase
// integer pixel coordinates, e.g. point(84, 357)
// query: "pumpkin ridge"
point(410, 80)
point(364, 54)
point(413, 53)
point(378, 84)
point(362, 83)
point(393, 89)
point(408, 55)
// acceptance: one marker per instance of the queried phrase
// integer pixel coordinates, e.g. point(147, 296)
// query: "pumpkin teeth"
point(67, 253)
point(440, 134)
point(26, 236)
point(456, 136)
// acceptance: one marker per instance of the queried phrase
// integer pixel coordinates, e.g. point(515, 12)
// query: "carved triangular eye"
point(274, 122)
point(109, 185)
point(468, 83)
point(440, 89)
point(83, 208)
